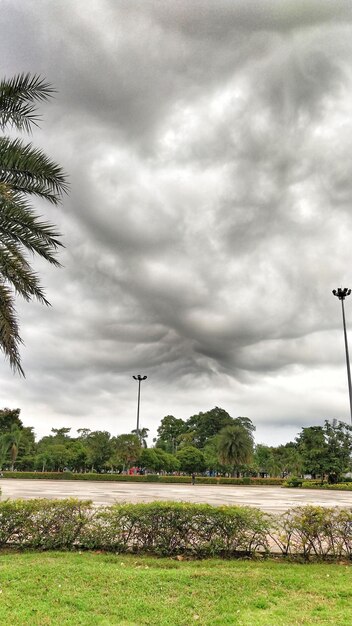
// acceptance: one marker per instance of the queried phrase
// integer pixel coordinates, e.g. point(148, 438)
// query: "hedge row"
point(316, 484)
point(149, 478)
point(336, 487)
point(171, 529)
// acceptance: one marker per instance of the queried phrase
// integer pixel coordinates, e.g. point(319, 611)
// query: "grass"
point(91, 589)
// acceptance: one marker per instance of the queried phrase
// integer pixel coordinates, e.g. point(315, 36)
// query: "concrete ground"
point(270, 499)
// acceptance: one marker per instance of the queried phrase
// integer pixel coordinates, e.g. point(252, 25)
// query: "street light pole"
point(341, 294)
point(139, 378)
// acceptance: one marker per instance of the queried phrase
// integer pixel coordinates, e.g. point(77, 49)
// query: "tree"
point(211, 456)
point(314, 451)
point(246, 423)
point(58, 457)
point(168, 433)
point(326, 450)
point(9, 418)
point(191, 459)
point(143, 435)
point(189, 438)
point(4, 448)
point(263, 458)
point(289, 458)
point(127, 449)
point(78, 455)
point(99, 449)
point(149, 460)
point(24, 172)
point(166, 462)
point(208, 424)
point(83, 433)
point(42, 459)
point(61, 434)
point(235, 446)
point(26, 449)
point(13, 438)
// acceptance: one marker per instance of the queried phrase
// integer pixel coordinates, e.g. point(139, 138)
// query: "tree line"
point(209, 442)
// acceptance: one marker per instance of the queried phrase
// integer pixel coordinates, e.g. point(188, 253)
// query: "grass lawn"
point(88, 589)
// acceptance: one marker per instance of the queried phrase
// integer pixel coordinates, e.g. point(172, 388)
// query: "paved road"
point(271, 499)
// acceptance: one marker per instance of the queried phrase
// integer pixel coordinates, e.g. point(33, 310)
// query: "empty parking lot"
point(271, 499)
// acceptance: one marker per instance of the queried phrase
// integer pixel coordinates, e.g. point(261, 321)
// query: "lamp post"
point(139, 378)
point(341, 294)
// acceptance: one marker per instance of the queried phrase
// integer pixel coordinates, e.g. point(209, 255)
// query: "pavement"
point(271, 499)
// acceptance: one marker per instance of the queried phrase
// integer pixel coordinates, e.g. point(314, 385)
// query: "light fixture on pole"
point(341, 294)
point(139, 378)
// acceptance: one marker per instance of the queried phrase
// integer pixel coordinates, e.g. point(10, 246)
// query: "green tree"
point(149, 460)
point(78, 455)
point(42, 460)
point(58, 457)
point(24, 172)
point(191, 459)
point(314, 450)
point(127, 449)
point(211, 455)
point(83, 433)
point(99, 449)
point(13, 437)
point(143, 435)
point(61, 435)
point(208, 424)
point(235, 446)
point(9, 418)
point(189, 438)
point(166, 462)
point(263, 458)
point(246, 423)
point(26, 449)
point(326, 450)
point(168, 433)
point(289, 458)
point(4, 448)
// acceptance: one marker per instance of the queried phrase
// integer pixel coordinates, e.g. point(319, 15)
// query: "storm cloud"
point(209, 150)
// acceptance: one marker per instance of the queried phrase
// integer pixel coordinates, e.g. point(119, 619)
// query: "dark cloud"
point(209, 151)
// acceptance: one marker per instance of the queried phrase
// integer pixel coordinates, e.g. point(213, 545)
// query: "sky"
point(208, 146)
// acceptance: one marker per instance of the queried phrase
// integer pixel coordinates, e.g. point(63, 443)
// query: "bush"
point(314, 531)
point(43, 524)
point(293, 481)
point(201, 480)
point(170, 528)
point(320, 485)
point(336, 487)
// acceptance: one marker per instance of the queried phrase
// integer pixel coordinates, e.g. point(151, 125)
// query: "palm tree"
point(13, 438)
point(4, 448)
point(235, 446)
point(24, 171)
point(143, 435)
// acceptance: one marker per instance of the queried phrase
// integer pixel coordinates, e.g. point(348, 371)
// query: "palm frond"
point(18, 96)
point(19, 224)
point(15, 270)
point(9, 331)
point(24, 171)
point(29, 171)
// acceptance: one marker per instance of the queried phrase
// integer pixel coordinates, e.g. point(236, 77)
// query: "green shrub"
point(44, 524)
point(201, 480)
point(332, 486)
point(293, 481)
point(338, 486)
point(314, 531)
point(171, 528)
